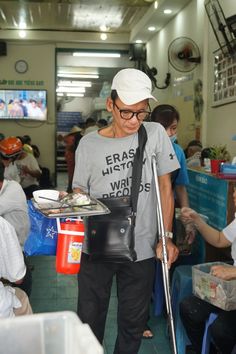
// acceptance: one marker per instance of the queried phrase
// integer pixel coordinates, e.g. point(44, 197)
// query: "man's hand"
point(172, 251)
point(224, 272)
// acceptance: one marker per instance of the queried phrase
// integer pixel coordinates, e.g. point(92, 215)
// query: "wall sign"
point(224, 89)
point(21, 82)
point(207, 195)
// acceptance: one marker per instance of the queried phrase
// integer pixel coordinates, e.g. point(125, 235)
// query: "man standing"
point(103, 168)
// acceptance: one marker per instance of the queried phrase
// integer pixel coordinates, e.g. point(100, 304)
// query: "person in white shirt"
point(13, 206)
point(30, 173)
point(13, 301)
point(14, 209)
point(194, 311)
point(34, 110)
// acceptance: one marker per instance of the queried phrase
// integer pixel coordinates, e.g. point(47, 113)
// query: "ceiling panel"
point(118, 16)
point(126, 21)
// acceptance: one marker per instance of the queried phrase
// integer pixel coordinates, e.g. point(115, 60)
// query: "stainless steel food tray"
point(55, 210)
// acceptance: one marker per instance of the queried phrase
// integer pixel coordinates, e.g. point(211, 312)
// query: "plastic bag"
point(42, 239)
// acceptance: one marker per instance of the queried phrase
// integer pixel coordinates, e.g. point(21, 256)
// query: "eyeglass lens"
point(127, 114)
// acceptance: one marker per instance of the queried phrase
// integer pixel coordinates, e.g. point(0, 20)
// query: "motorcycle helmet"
point(10, 147)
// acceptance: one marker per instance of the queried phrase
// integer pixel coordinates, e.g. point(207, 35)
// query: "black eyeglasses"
point(128, 114)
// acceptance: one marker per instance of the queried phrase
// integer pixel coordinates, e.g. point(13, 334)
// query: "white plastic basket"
point(218, 292)
point(47, 333)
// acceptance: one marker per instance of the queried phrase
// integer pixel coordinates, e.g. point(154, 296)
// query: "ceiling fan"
point(184, 54)
point(223, 30)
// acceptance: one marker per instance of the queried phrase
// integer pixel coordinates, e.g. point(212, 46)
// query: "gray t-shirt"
point(103, 168)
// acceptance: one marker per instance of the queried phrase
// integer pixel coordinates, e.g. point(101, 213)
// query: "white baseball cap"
point(132, 86)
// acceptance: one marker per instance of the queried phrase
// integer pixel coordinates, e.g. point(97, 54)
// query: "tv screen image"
point(23, 104)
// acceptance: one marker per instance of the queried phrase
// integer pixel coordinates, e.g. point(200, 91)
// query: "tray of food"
point(52, 205)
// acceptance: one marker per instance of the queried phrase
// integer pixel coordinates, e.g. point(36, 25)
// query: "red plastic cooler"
point(69, 245)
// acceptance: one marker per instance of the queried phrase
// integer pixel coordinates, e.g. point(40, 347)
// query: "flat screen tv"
point(23, 104)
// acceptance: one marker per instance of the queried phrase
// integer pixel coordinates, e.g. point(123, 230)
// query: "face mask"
point(173, 138)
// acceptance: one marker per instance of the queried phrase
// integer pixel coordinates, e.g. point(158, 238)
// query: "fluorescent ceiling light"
point(139, 41)
point(103, 36)
point(70, 89)
point(79, 76)
point(151, 28)
point(75, 83)
point(22, 25)
point(61, 94)
point(75, 95)
point(96, 54)
point(155, 5)
point(167, 11)
point(22, 34)
point(103, 28)
point(78, 72)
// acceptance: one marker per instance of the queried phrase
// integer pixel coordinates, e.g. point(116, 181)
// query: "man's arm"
point(167, 205)
point(167, 200)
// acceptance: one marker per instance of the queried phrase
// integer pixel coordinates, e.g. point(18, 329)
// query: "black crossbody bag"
point(111, 236)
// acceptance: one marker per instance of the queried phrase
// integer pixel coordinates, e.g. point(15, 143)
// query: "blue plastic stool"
point(181, 288)
point(197, 257)
point(207, 337)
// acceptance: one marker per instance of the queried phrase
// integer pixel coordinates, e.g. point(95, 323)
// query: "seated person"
point(13, 301)
point(90, 126)
point(30, 173)
point(193, 153)
point(27, 165)
point(13, 206)
point(205, 158)
point(10, 148)
point(102, 123)
point(193, 311)
point(14, 209)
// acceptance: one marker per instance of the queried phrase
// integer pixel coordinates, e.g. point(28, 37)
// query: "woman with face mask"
point(168, 117)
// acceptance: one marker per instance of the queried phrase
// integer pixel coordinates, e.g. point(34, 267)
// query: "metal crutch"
point(164, 263)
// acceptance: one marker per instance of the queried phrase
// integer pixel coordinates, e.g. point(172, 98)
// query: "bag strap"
point(137, 167)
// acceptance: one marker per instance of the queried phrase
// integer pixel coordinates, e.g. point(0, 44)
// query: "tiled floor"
point(57, 292)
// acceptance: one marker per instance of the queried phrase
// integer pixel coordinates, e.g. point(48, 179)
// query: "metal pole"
point(164, 261)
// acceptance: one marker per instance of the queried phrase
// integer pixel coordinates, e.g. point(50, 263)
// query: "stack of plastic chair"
point(207, 337)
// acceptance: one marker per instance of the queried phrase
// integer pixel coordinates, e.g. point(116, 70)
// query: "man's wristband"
point(169, 234)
